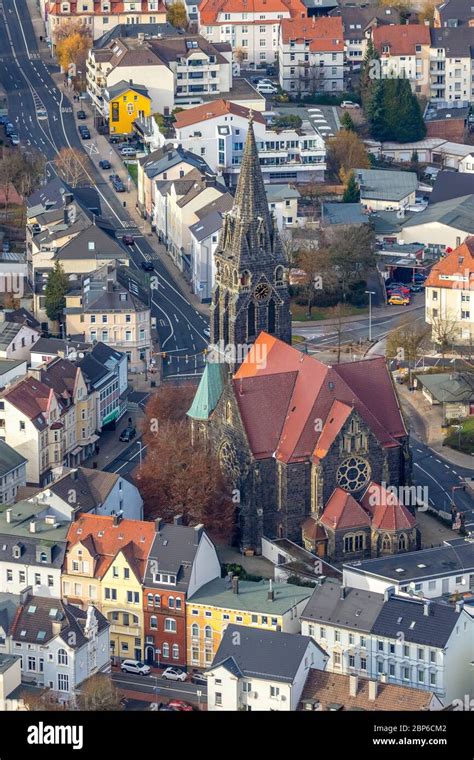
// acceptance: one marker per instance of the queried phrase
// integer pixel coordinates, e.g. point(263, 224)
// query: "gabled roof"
point(213, 110)
point(402, 39)
point(455, 270)
point(31, 397)
point(356, 608)
point(325, 31)
point(280, 399)
point(115, 90)
point(91, 487)
point(9, 459)
point(386, 511)
point(450, 185)
point(343, 511)
point(457, 41)
point(407, 617)
point(262, 654)
point(35, 618)
point(457, 213)
point(173, 551)
point(385, 184)
point(210, 9)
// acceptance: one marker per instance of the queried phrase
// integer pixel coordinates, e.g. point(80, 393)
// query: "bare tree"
point(72, 166)
point(339, 313)
point(290, 247)
point(444, 330)
point(99, 693)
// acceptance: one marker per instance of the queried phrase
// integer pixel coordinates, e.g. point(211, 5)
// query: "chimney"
point(178, 519)
point(118, 518)
point(34, 372)
point(426, 607)
point(73, 474)
point(158, 523)
point(27, 591)
point(271, 593)
point(8, 514)
point(32, 526)
point(342, 594)
point(388, 593)
point(235, 584)
point(353, 686)
point(198, 531)
point(373, 686)
point(56, 627)
point(459, 605)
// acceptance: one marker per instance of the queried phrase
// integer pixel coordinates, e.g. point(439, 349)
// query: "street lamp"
point(370, 293)
point(139, 443)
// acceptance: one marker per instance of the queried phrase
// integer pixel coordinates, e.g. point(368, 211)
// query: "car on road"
point(349, 104)
point(84, 132)
point(398, 300)
point(266, 89)
point(174, 674)
point(200, 679)
point(161, 707)
point(135, 666)
point(148, 266)
point(207, 332)
point(128, 240)
point(128, 434)
point(179, 704)
point(14, 139)
point(104, 164)
point(118, 185)
point(9, 129)
point(4, 119)
point(81, 115)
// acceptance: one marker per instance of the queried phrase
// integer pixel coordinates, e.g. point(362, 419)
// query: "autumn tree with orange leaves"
point(179, 477)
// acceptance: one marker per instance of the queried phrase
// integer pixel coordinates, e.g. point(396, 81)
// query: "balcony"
point(125, 630)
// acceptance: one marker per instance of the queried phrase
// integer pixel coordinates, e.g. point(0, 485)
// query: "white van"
point(266, 89)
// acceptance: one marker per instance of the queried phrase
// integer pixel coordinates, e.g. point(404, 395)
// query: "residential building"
point(451, 65)
point(448, 294)
point(106, 372)
point(266, 671)
point(358, 22)
point(173, 69)
point(227, 601)
point(105, 309)
point(16, 340)
point(283, 204)
point(12, 473)
point(218, 132)
point(11, 698)
point(421, 644)
point(123, 104)
point(453, 13)
point(60, 645)
point(441, 225)
point(49, 418)
point(311, 55)
point(453, 393)
point(182, 560)
point(204, 240)
point(47, 349)
point(105, 565)
point(335, 692)
point(252, 32)
point(405, 52)
point(100, 16)
point(32, 548)
point(445, 570)
point(386, 190)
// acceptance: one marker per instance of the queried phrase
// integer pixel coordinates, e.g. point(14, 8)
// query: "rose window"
point(353, 474)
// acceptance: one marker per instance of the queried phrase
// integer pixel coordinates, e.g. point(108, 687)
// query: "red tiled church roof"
point(386, 510)
point(343, 511)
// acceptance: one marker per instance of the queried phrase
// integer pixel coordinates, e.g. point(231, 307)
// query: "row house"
point(99, 16)
point(404, 52)
point(230, 601)
point(421, 644)
point(174, 70)
point(138, 574)
point(106, 371)
point(49, 418)
point(358, 23)
point(311, 55)
point(217, 132)
point(105, 310)
point(12, 473)
point(60, 645)
point(251, 30)
point(182, 560)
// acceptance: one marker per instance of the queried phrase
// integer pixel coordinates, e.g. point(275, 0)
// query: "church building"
point(311, 448)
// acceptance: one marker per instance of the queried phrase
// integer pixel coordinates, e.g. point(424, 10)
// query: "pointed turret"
point(250, 197)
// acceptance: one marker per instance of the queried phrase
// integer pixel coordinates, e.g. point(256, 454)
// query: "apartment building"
point(172, 69)
point(12, 473)
point(105, 310)
point(16, 340)
point(452, 13)
point(451, 53)
point(218, 131)
point(311, 55)
point(105, 370)
point(421, 644)
point(100, 16)
point(405, 52)
point(358, 23)
point(49, 417)
point(448, 295)
point(252, 30)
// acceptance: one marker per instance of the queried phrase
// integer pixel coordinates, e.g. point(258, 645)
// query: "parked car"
point(398, 286)
point(104, 164)
point(128, 434)
point(4, 119)
point(135, 666)
point(200, 679)
point(266, 89)
point(118, 185)
point(81, 115)
point(9, 129)
point(416, 288)
point(115, 139)
point(14, 139)
point(349, 104)
point(179, 704)
point(162, 707)
point(127, 150)
point(148, 266)
point(398, 300)
point(128, 239)
point(174, 674)
point(207, 332)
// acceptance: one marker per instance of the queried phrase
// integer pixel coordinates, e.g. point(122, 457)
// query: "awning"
point(110, 417)
point(75, 451)
point(90, 440)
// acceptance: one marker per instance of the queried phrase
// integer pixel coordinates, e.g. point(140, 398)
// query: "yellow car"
point(398, 300)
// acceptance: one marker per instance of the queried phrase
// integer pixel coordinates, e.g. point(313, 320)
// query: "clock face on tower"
point(262, 291)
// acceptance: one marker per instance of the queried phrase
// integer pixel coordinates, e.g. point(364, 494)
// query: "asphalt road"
point(159, 686)
point(29, 87)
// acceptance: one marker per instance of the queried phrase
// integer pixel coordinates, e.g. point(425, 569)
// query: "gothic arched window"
point(271, 316)
point(228, 413)
point(245, 279)
point(279, 276)
point(402, 543)
point(251, 320)
point(386, 544)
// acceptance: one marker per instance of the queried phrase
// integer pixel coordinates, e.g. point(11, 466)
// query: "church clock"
point(262, 291)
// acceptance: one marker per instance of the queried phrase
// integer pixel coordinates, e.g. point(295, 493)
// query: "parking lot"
point(324, 118)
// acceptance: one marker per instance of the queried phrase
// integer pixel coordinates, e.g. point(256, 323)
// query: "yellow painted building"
point(104, 564)
point(126, 103)
point(266, 605)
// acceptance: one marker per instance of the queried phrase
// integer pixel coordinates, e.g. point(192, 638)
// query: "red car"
point(398, 289)
point(178, 704)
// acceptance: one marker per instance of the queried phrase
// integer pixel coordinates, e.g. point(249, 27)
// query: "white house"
point(12, 473)
point(420, 644)
point(429, 574)
point(16, 340)
point(441, 225)
point(261, 670)
point(311, 54)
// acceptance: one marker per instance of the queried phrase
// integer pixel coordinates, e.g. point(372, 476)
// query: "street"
point(156, 686)
point(30, 88)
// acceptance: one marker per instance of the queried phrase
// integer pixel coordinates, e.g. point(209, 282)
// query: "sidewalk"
point(109, 445)
point(39, 29)
point(377, 312)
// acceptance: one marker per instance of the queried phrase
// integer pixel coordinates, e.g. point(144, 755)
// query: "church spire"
point(250, 199)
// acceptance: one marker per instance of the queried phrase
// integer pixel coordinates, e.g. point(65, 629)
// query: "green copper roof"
point(208, 392)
